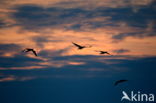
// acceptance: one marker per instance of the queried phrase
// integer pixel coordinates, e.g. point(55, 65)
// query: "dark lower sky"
point(75, 86)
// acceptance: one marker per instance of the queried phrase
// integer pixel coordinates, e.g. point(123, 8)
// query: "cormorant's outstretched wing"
point(76, 44)
point(120, 81)
point(25, 50)
point(34, 52)
point(103, 52)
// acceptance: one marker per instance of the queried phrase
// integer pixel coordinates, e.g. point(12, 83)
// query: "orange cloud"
point(13, 78)
point(7, 79)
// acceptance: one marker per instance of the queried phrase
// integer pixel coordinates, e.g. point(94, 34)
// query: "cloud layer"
point(125, 28)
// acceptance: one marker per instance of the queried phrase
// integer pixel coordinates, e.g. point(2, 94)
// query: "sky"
point(63, 74)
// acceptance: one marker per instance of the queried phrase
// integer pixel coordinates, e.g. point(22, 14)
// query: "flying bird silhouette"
point(79, 46)
point(103, 52)
point(120, 81)
point(29, 49)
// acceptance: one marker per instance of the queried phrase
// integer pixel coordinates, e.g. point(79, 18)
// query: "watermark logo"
point(137, 96)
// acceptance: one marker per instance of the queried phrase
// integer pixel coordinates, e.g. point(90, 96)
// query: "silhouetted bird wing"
point(103, 52)
point(34, 52)
point(29, 49)
point(120, 81)
point(77, 45)
point(24, 50)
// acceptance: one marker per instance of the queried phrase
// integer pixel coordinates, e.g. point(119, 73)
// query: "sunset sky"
point(124, 28)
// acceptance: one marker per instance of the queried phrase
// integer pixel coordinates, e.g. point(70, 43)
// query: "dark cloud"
point(40, 40)
point(32, 17)
point(9, 47)
point(53, 53)
point(5, 24)
point(120, 51)
point(2, 24)
point(4, 48)
point(140, 18)
point(144, 18)
point(18, 61)
point(142, 34)
point(92, 67)
point(32, 12)
point(123, 35)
